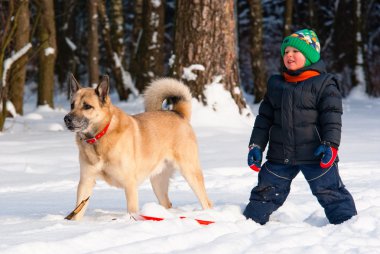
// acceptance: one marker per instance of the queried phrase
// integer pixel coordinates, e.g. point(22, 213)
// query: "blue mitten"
point(328, 153)
point(255, 156)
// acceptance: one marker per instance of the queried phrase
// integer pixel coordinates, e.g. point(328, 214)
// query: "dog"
point(124, 150)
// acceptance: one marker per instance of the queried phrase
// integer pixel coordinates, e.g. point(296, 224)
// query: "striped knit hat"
point(305, 41)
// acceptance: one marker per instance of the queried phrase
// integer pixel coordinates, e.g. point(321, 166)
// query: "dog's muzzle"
point(74, 123)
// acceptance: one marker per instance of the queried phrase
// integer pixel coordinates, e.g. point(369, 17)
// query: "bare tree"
point(257, 57)
point(18, 71)
point(150, 53)
point(344, 45)
point(123, 81)
point(6, 59)
point(117, 30)
point(47, 54)
point(371, 36)
point(136, 35)
point(93, 43)
point(205, 47)
point(288, 17)
point(361, 65)
point(68, 28)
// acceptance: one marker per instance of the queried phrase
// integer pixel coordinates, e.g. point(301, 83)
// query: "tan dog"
point(125, 150)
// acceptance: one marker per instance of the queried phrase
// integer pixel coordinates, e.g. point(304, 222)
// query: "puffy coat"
point(295, 117)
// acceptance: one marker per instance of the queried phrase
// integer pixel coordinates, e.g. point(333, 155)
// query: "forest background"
point(235, 43)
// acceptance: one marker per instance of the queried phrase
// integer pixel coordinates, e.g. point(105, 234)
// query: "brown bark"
point(136, 35)
point(117, 29)
point(150, 54)
point(9, 29)
point(47, 54)
point(18, 71)
point(205, 35)
point(93, 43)
point(288, 18)
point(116, 69)
point(257, 58)
point(67, 60)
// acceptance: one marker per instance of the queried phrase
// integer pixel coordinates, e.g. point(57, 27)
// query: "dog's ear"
point(73, 84)
point(103, 88)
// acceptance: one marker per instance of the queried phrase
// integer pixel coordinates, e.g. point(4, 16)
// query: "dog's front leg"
point(132, 197)
point(85, 188)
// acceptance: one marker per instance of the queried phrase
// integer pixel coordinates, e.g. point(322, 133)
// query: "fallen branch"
point(77, 209)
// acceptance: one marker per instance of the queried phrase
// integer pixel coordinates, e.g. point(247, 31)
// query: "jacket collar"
point(305, 72)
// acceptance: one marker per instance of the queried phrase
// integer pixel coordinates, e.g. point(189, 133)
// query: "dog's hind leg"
point(194, 177)
point(160, 184)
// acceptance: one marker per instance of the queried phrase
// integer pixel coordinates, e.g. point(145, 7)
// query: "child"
point(300, 117)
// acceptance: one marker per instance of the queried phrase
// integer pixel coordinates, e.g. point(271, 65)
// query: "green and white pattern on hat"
point(305, 41)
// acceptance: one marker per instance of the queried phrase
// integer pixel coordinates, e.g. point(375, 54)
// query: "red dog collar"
point(99, 135)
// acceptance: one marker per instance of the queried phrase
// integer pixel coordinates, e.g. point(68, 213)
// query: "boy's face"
point(293, 59)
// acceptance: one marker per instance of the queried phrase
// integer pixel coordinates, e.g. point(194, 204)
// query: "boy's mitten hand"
point(328, 153)
point(255, 156)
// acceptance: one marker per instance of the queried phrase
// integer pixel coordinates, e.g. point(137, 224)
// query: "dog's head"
point(89, 107)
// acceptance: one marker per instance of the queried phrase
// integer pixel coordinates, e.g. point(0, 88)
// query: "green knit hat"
point(305, 41)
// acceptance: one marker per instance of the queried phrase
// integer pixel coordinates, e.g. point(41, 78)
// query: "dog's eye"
point(87, 106)
point(72, 106)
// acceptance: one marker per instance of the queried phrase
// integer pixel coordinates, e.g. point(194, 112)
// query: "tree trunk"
point(312, 15)
point(8, 31)
point(257, 58)
point(151, 54)
point(18, 71)
point(370, 34)
point(288, 18)
point(111, 54)
point(117, 30)
point(360, 78)
point(136, 36)
point(244, 34)
point(47, 54)
point(205, 47)
point(93, 43)
point(344, 48)
point(67, 46)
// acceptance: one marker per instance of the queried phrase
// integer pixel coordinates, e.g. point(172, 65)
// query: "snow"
point(9, 61)
point(39, 172)
point(50, 50)
point(71, 44)
point(11, 108)
point(156, 3)
point(188, 73)
point(125, 75)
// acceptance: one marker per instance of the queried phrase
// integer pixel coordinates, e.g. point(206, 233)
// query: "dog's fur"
point(135, 147)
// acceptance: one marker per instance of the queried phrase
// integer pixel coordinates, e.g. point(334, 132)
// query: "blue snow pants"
point(274, 186)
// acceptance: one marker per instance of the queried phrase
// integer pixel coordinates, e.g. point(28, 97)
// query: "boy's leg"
point(328, 187)
point(271, 191)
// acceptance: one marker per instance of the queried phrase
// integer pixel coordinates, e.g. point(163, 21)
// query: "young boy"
point(300, 117)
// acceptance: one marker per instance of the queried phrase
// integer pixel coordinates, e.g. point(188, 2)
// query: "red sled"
point(202, 222)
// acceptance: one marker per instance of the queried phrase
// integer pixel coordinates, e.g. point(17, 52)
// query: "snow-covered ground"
point(39, 172)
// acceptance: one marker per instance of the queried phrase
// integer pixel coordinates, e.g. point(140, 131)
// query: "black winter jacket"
point(295, 117)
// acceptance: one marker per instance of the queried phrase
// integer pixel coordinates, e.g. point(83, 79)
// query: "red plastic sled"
point(202, 222)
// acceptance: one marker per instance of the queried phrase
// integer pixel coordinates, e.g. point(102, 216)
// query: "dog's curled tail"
point(176, 94)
